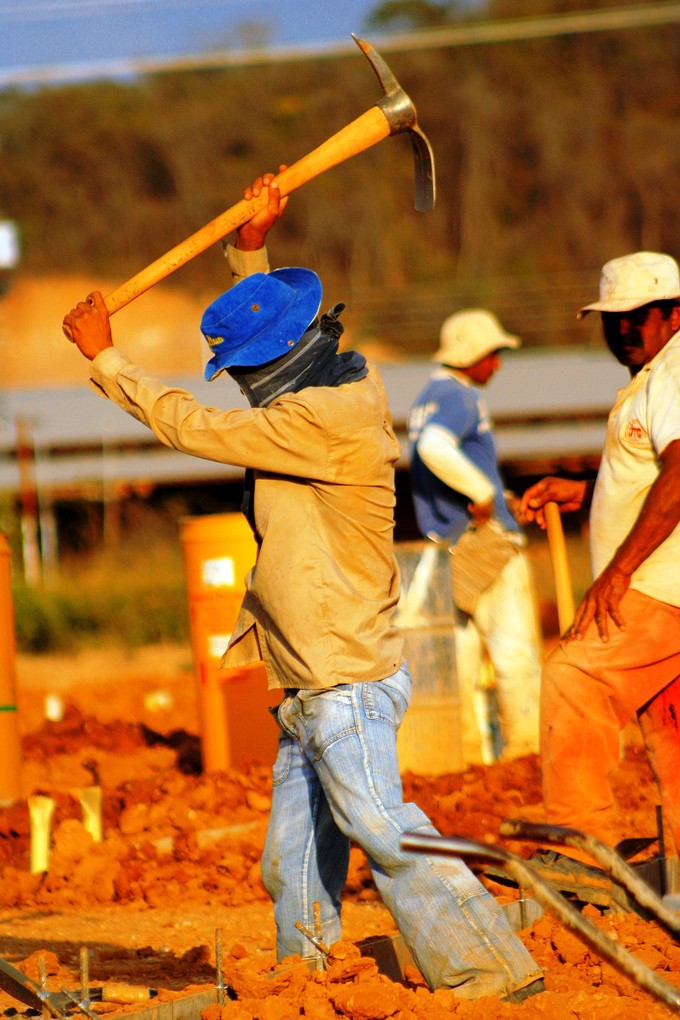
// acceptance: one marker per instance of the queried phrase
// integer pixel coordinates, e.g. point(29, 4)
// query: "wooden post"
point(29, 503)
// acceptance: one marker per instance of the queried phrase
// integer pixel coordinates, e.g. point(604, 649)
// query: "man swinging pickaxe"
point(393, 114)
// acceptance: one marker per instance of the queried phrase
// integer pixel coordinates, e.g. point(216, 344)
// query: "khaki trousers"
point(590, 690)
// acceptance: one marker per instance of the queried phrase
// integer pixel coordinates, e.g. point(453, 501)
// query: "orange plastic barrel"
point(10, 744)
point(219, 551)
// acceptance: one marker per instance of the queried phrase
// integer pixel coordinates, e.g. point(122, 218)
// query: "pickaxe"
point(393, 114)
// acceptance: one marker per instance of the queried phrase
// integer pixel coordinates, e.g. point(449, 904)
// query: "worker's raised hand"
point(601, 603)
point(87, 325)
point(569, 494)
point(253, 234)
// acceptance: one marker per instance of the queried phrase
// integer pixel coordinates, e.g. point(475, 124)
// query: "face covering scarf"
point(314, 361)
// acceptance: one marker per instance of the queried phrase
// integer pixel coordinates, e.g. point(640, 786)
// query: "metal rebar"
point(316, 942)
point(662, 851)
point(522, 873)
point(610, 861)
point(84, 974)
point(42, 974)
point(219, 980)
point(81, 1005)
point(318, 932)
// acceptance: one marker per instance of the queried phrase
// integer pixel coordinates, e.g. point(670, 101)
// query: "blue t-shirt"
point(447, 402)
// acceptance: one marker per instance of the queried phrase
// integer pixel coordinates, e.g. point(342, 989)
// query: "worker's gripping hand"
point(253, 234)
point(87, 325)
point(568, 493)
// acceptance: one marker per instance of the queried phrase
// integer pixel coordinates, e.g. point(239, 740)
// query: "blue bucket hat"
point(260, 319)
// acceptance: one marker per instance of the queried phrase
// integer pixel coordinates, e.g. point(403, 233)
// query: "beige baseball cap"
point(634, 280)
point(469, 335)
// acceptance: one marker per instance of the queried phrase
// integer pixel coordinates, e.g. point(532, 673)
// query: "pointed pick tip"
point(424, 204)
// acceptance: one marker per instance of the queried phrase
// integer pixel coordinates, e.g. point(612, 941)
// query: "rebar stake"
point(42, 974)
point(82, 1006)
point(522, 909)
point(315, 936)
point(662, 851)
point(219, 981)
point(318, 933)
point(84, 975)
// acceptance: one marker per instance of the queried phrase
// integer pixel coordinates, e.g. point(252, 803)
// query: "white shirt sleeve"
point(440, 451)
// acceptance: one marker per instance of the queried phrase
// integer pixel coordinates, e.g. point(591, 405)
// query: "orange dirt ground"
point(179, 861)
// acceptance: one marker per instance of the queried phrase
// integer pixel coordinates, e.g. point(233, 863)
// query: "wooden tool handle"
point(361, 134)
point(560, 565)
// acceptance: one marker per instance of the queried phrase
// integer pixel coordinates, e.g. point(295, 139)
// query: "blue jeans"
point(336, 780)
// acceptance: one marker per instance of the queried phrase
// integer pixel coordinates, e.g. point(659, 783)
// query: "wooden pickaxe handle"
point(560, 565)
point(354, 138)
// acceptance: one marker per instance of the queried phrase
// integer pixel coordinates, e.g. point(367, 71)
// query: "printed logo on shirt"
point(419, 417)
point(635, 434)
point(484, 417)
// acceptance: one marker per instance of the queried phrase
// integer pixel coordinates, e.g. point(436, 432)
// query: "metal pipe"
point(219, 978)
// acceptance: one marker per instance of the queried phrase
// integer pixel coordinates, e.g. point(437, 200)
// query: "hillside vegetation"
point(552, 156)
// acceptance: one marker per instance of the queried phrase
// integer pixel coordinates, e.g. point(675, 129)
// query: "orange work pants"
point(590, 689)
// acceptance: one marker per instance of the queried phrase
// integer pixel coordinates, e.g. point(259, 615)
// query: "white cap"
point(468, 336)
point(635, 280)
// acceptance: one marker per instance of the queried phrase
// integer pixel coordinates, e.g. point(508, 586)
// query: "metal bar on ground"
point(610, 861)
point(521, 872)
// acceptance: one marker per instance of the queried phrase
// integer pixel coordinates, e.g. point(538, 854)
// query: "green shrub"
point(48, 620)
point(37, 621)
point(130, 597)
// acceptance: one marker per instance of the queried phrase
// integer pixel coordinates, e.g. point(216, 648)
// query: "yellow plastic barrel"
point(10, 744)
point(219, 551)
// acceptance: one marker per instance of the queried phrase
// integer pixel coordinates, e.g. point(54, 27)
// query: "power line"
point(544, 27)
point(73, 9)
point(470, 34)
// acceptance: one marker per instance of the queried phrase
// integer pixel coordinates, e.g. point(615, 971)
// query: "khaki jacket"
point(320, 601)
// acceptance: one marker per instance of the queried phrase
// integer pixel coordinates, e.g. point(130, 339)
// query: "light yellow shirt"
point(319, 605)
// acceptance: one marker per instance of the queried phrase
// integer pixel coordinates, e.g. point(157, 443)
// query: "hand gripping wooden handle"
point(354, 138)
point(560, 566)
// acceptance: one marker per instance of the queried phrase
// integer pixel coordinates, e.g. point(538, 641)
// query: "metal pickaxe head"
point(400, 113)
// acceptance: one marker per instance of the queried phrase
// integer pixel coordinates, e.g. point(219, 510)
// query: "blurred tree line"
point(552, 156)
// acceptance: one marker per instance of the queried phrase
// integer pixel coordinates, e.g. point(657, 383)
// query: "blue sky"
point(39, 32)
